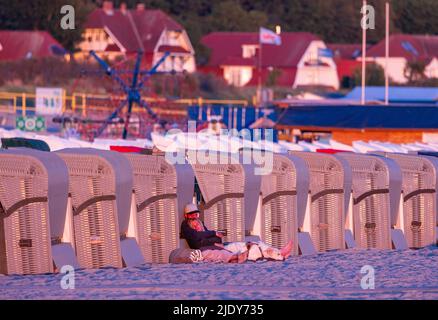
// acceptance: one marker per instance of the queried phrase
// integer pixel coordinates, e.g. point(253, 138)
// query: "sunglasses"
point(192, 215)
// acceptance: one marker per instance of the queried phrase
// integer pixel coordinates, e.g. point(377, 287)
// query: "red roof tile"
point(224, 45)
point(17, 45)
point(239, 61)
point(150, 24)
point(345, 51)
point(425, 45)
point(112, 48)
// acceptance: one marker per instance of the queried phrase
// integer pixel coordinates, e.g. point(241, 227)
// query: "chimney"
point(140, 6)
point(108, 7)
point(123, 8)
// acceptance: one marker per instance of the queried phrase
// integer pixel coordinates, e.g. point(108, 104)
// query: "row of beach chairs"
point(92, 208)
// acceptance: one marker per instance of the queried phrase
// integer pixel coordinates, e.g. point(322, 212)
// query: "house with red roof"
point(115, 33)
point(19, 45)
point(235, 56)
point(405, 48)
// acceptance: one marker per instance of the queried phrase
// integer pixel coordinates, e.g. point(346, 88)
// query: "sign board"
point(30, 123)
point(49, 101)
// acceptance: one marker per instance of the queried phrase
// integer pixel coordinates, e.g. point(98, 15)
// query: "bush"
point(374, 75)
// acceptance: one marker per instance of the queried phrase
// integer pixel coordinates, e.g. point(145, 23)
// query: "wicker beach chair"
point(284, 198)
point(33, 196)
point(161, 191)
point(329, 192)
point(101, 191)
point(230, 195)
point(418, 216)
point(375, 205)
point(431, 154)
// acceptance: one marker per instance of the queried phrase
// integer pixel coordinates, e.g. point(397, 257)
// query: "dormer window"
point(249, 50)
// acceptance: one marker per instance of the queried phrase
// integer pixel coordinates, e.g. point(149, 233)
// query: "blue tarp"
point(396, 94)
point(360, 117)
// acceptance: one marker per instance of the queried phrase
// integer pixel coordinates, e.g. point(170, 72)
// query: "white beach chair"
point(161, 191)
point(308, 146)
point(291, 146)
point(418, 207)
point(101, 191)
point(363, 147)
point(434, 155)
point(330, 182)
point(33, 196)
point(340, 146)
point(230, 193)
point(374, 208)
point(283, 201)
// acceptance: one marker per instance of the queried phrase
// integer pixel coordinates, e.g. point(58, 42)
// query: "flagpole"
point(387, 55)
point(259, 89)
point(317, 67)
point(364, 45)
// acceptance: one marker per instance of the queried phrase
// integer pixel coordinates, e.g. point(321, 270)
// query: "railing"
point(84, 104)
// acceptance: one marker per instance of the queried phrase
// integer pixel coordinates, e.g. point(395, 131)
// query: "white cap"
point(190, 208)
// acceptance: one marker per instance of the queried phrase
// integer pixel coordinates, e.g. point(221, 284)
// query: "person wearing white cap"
point(210, 244)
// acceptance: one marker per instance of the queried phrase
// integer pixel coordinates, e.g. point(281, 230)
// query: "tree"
point(45, 15)
point(273, 76)
point(416, 16)
point(415, 70)
point(230, 16)
point(374, 75)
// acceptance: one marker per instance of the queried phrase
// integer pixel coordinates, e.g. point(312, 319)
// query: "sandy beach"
point(411, 274)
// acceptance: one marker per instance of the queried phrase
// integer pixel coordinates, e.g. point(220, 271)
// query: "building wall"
point(432, 69)
point(311, 74)
point(316, 76)
point(396, 68)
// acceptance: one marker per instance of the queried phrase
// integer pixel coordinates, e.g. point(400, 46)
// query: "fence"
point(89, 104)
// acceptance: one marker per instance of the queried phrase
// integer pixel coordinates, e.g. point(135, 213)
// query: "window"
point(409, 48)
point(249, 51)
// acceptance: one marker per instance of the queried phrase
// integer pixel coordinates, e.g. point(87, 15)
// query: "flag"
point(324, 52)
point(269, 37)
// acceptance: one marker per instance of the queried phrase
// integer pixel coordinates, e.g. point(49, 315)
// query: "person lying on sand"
point(212, 249)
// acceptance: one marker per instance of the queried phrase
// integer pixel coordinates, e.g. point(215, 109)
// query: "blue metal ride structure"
point(132, 91)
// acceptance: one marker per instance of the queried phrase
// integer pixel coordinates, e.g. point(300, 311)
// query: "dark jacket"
point(203, 240)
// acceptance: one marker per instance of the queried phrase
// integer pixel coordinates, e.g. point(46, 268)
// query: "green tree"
point(230, 16)
point(45, 15)
point(273, 76)
point(416, 16)
point(374, 75)
point(415, 70)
